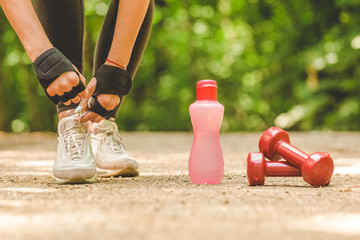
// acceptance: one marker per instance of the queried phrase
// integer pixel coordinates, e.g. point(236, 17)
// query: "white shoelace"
point(112, 139)
point(74, 139)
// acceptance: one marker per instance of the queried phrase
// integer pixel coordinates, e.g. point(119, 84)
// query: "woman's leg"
point(106, 36)
point(63, 22)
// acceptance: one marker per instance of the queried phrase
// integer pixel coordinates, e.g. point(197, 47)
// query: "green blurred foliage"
point(294, 64)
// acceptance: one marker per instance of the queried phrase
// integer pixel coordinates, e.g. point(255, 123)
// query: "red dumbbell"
point(316, 168)
point(258, 168)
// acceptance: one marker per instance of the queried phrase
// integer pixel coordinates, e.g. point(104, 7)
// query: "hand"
point(108, 101)
point(64, 83)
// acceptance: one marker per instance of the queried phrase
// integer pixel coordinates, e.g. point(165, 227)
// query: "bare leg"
point(116, 30)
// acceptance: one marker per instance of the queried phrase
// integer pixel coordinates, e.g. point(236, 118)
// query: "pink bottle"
point(206, 162)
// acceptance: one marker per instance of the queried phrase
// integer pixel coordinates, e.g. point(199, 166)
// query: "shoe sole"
point(124, 172)
point(74, 176)
point(74, 180)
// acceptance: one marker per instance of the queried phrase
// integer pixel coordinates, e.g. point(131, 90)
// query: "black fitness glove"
point(49, 66)
point(109, 80)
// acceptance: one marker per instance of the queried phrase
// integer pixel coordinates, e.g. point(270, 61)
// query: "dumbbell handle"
point(291, 153)
point(281, 169)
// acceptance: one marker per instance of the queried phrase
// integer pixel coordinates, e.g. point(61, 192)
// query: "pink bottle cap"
point(206, 90)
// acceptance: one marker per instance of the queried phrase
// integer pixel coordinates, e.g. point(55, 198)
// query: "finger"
point(91, 86)
point(67, 103)
point(72, 94)
point(59, 86)
point(76, 69)
point(72, 79)
point(83, 94)
point(88, 116)
point(52, 90)
point(82, 90)
point(89, 103)
point(90, 91)
point(64, 98)
point(76, 99)
point(82, 78)
point(84, 106)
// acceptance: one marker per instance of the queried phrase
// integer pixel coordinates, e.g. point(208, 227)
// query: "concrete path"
point(162, 203)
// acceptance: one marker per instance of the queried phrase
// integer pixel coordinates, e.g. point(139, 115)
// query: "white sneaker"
point(110, 155)
point(74, 161)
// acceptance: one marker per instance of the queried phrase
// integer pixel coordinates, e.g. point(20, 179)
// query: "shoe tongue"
point(69, 122)
point(104, 126)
